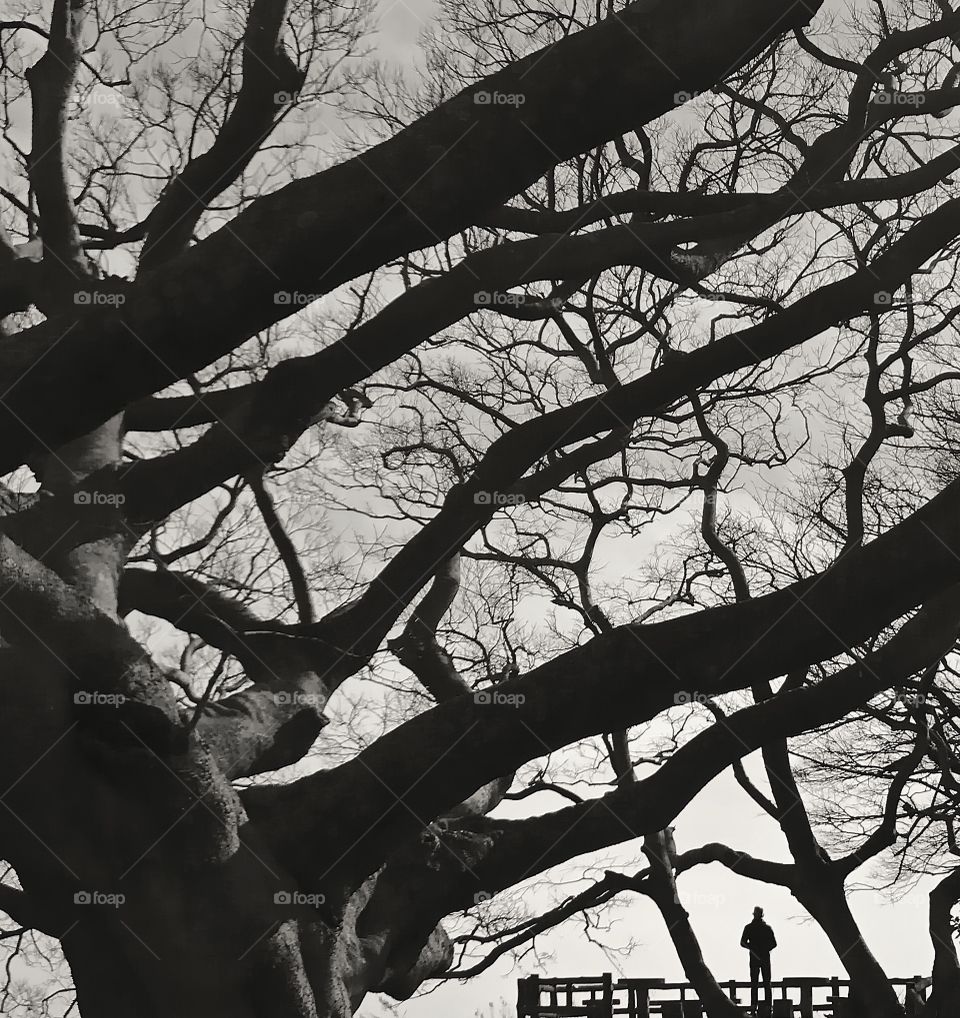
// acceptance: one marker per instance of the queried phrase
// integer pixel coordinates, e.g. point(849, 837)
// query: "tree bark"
point(822, 894)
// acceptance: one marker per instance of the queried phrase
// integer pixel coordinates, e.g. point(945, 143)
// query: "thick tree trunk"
point(167, 940)
point(164, 898)
point(715, 1001)
point(167, 902)
point(662, 888)
point(945, 999)
point(195, 978)
point(92, 566)
point(207, 946)
point(109, 986)
point(823, 896)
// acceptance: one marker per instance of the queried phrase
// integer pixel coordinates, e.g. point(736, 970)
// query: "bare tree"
point(345, 504)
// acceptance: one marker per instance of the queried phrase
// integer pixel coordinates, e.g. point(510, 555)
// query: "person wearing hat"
point(759, 940)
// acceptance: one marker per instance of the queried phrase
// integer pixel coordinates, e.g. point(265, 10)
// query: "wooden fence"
point(602, 997)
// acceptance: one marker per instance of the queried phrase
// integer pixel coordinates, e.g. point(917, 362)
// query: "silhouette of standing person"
point(758, 938)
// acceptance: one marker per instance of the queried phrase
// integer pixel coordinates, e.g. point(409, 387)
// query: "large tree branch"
point(661, 887)
point(260, 421)
point(489, 855)
point(270, 81)
point(514, 263)
point(885, 833)
point(635, 672)
point(740, 863)
point(40, 610)
point(506, 852)
point(24, 911)
point(946, 965)
point(433, 178)
point(274, 722)
point(468, 507)
point(121, 701)
point(285, 547)
point(287, 401)
point(417, 647)
point(51, 81)
point(189, 604)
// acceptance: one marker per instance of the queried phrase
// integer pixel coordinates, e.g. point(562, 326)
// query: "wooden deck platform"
point(604, 997)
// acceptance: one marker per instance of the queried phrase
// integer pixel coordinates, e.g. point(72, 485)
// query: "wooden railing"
point(602, 997)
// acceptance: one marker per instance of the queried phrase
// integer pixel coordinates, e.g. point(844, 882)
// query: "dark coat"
point(758, 937)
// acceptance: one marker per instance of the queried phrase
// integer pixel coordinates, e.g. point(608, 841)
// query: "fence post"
point(806, 1001)
point(528, 997)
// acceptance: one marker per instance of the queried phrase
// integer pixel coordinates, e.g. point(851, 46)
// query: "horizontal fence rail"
point(603, 997)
